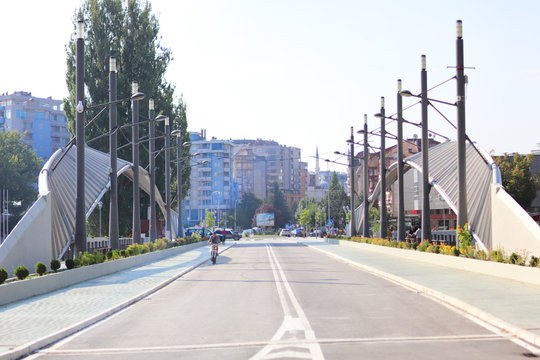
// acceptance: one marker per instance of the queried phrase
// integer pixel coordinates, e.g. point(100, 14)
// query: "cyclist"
point(214, 239)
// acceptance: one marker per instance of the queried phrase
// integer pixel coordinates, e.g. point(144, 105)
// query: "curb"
point(28, 348)
point(513, 330)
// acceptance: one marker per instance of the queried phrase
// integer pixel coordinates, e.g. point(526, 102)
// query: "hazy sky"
point(302, 72)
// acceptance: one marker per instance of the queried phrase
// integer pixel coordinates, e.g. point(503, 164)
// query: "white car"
point(285, 232)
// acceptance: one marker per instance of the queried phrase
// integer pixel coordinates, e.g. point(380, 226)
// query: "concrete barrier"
point(524, 274)
point(24, 289)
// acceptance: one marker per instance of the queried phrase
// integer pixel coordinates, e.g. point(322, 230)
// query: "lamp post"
point(460, 103)
point(135, 159)
point(353, 222)
point(80, 216)
point(113, 143)
point(179, 183)
point(152, 164)
point(366, 180)
point(426, 187)
point(399, 138)
point(401, 197)
point(383, 172)
point(167, 178)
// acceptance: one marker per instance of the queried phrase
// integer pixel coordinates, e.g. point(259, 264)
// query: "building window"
point(39, 115)
point(20, 114)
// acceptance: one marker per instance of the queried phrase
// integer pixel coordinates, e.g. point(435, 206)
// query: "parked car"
point(206, 234)
point(317, 233)
point(229, 234)
point(285, 232)
point(247, 233)
point(298, 232)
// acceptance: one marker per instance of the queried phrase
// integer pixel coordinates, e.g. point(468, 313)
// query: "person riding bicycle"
point(214, 240)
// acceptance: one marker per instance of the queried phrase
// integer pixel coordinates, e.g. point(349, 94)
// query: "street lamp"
point(135, 159)
point(80, 216)
point(401, 204)
point(366, 178)
point(382, 171)
point(179, 145)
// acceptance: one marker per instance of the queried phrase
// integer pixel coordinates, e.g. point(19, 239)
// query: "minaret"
point(317, 169)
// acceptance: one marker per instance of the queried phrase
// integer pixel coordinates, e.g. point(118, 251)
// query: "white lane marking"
point(291, 327)
point(382, 340)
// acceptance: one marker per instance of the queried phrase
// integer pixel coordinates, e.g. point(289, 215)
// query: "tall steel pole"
point(168, 177)
point(384, 226)
point(352, 225)
point(401, 197)
point(461, 136)
point(80, 211)
point(179, 185)
point(426, 187)
point(366, 180)
point(113, 143)
point(135, 159)
point(152, 167)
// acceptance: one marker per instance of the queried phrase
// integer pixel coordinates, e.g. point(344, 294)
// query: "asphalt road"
point(278, 299)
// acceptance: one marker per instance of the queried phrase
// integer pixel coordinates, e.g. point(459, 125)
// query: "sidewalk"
point(489, 298)
point(29, 324)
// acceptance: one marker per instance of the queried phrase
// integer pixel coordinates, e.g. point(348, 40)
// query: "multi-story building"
point(212, 185)
point(41, 120)
point(260, 163)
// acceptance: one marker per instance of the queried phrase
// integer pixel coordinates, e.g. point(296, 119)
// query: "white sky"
point(302, 72)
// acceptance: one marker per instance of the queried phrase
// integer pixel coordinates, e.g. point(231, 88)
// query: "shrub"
point(481, 255)
point(77, 262)
point(534, 262)
point(87, 259)
point(516, 259)
point(468, 251)
point(115, 255)
point(160, 244)
point(21, 272)
point(109, 255)
point(464, 236)
point(70, 263)
point(55, 265)
point(41, 268)
point(497, 255)
point(99, 257)
point(456, 252)
point(423, 246)
point(3, 275)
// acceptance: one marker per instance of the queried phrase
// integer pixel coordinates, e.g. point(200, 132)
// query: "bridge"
point(46, 231)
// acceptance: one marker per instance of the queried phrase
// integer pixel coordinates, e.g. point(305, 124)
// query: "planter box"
point(24, 289)
point(524, 274)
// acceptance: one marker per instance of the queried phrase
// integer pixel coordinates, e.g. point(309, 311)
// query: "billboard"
point(265, 219)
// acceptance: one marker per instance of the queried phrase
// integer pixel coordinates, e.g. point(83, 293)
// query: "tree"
point(19, 169)
point(517, 178)
point(306, 212)
point(246, 209)
point(210, 218)
point(277, 200)
point(131, 34)
point(338, 201)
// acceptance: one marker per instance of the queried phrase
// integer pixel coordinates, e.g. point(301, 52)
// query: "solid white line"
point(383, 340)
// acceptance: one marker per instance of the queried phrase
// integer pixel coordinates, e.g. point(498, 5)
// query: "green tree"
point(306, 212)
point(129, 31)
point(517, 178)
point(210, 219)
point(338, 201)
point(19, 169)
point(277, 200)
point(246, 209)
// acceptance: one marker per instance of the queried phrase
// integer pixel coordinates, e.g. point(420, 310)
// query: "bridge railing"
point(99, 244)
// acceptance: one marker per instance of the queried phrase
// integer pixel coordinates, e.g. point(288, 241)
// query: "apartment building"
point(41, 120)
